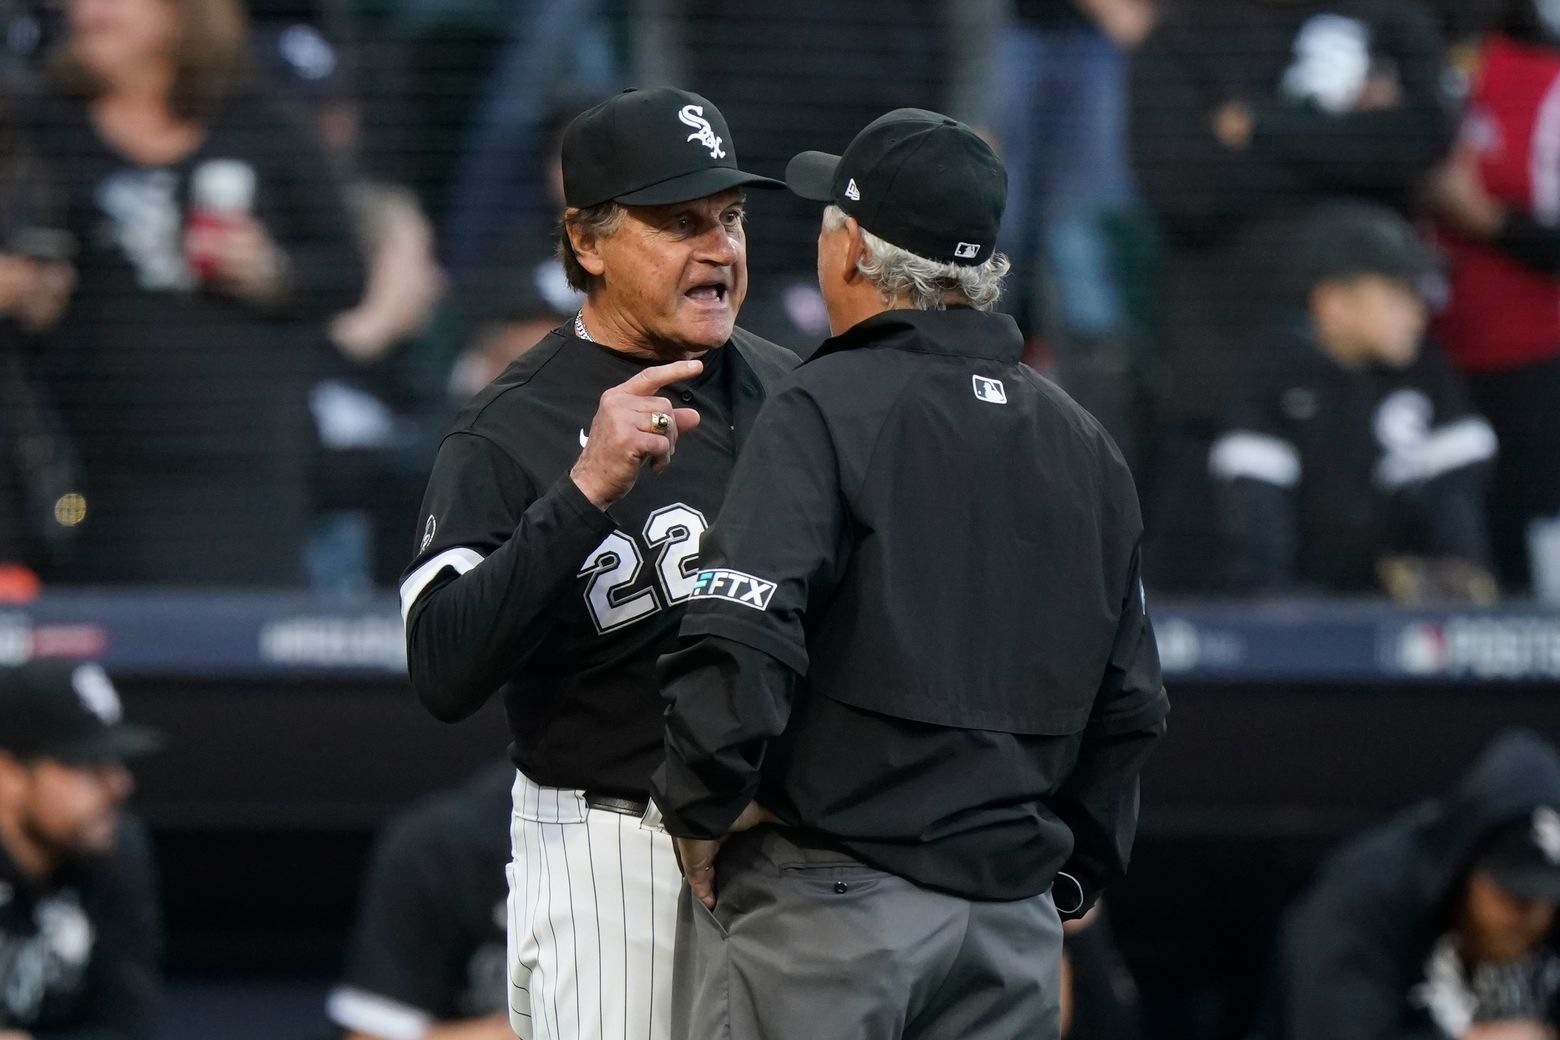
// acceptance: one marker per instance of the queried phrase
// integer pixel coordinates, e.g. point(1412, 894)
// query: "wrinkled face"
point(676, 275)
point(1498, 926)
point(72, 811)
point(1382, 319)
point(114, 37)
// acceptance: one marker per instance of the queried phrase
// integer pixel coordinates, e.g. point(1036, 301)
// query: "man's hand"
point(621, 437)
point(697, 855)
point(1510, 1029)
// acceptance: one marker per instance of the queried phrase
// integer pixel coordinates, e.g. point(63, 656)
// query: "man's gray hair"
point(594, 222)
point(927, 284)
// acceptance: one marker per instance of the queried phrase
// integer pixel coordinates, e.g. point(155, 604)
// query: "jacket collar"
point(959, 331)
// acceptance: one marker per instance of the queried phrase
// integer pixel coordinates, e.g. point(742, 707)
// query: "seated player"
point(80, 929)
point(1438, 924)
point(427, 962)
point(1353, 461)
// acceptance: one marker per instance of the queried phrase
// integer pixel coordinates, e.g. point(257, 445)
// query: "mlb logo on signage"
point(990, 390)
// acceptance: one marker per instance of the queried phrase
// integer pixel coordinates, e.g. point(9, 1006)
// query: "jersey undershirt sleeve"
point(1256, 469)
point(398, 982)
point(778, 547)
point(495, 554)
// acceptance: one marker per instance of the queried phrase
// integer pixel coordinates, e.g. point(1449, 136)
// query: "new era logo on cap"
point(967, 250)
point(852, 192)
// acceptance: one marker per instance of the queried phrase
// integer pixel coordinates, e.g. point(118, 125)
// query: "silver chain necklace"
point(579, 327)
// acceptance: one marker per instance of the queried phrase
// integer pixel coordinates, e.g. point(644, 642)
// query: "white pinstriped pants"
point(592, 918)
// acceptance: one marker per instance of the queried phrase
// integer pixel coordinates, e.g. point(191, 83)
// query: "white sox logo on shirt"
point(693, 115)
point(427, 539)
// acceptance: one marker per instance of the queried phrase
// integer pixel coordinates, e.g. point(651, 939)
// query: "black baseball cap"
point(917, 180)
point(66, 710)
point(1342, 241)
point(1523, 856)
point(649, 148)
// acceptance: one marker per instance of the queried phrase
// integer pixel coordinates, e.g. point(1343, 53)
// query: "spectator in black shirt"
point(214, 246)
point(428, 957)
point(918, 638)
point(79, 924)
point(1354, 443)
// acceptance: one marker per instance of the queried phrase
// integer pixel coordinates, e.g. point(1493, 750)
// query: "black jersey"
point(1324, 469)
point(944, 547)
point(519, 581)
point(79, 955)
point(430, 942)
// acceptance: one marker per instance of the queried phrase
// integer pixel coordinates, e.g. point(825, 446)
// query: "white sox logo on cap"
point(693, 115)
point(1546, 833)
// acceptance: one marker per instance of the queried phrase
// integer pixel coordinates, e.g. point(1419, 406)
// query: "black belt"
point(612, 803)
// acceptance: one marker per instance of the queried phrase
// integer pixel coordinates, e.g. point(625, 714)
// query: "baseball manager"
point(559, 541)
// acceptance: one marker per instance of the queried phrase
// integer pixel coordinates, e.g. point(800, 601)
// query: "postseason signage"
point(243, 635)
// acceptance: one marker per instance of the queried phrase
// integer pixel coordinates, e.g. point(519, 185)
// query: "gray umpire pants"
point(811, 943)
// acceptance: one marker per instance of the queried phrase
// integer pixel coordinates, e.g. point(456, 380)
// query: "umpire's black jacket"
point(944, 547)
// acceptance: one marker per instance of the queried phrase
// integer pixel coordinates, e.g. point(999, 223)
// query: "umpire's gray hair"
point(594, 222)
point(925, 283)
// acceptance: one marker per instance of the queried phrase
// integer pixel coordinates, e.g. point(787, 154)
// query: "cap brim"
point(1529, 882)
point(115, 743)
point(696, 185)
point(810, 175)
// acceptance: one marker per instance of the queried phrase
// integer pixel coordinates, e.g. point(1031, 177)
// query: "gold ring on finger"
point(660, 422)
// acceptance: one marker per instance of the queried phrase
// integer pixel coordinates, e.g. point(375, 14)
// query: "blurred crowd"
point(1301, 258)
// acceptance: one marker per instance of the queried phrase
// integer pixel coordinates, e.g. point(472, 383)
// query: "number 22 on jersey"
point(613, 568)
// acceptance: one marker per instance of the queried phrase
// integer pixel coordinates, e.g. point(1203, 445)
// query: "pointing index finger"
point(652, 380)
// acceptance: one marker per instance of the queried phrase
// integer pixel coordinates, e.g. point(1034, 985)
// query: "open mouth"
point(710, 292)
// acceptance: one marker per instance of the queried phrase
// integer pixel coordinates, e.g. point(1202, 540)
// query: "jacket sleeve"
point(494, 558)
point(1191, 180)
point(1099, 799)
point(308, 219)
point(1340, 979)
point(777, 548)
point(1530, 243)
point(1383, 151)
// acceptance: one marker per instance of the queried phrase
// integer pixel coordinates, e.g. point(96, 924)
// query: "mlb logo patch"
point(734, 586)
point(990, 390)
point(967, 250)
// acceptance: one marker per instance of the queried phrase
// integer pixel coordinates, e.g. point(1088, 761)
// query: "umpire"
point(918, 640)
point(559, 539)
